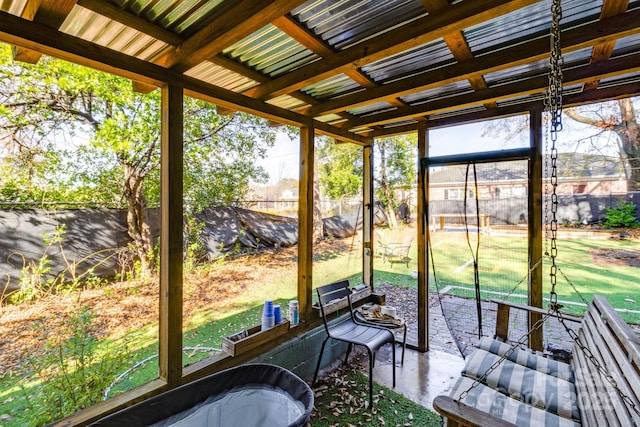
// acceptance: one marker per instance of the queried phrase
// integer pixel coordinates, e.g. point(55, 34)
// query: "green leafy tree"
point(396, 168)
point(340, 168)
point(69, 133)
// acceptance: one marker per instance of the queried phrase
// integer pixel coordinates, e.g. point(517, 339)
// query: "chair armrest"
point(538, 310)
point(502, 316)
point(459, 414)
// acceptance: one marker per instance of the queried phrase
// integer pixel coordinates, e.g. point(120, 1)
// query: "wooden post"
point(367, 218)
point(171, 182)
point(423, 253)
point(305, 222)
point(535, 225)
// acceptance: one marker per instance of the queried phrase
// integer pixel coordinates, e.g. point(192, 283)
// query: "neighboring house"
point(577, 174)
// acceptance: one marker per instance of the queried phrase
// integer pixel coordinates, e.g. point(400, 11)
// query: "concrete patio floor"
point(421, 377)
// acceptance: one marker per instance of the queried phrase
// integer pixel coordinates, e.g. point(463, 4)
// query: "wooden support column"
point(367, 217)
point(535, 225)
point(171, 182)
point(305, 222)
point(423, 253)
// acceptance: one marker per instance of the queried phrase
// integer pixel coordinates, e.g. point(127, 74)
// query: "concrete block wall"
point(300, 354)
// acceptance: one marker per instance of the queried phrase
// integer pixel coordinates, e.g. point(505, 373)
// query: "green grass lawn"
point(502, 266)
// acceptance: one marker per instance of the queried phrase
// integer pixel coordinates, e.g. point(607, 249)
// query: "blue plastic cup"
point(277, 313)
point(268, 309)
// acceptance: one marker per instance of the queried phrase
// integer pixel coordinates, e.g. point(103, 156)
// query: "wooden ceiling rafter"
point(602, 51)
point(457, 44)
point(51, 13)
point(233, 21)
point(306, 38)
point(572, 39)
point(416, 33)
point(570, 100)
point(530, 86)
point(240, 20)
point(309, 40)
point(19, 32)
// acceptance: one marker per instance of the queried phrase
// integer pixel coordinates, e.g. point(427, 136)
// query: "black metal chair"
point(352, 331)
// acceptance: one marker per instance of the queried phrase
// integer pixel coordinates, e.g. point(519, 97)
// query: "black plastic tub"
point(247, 395)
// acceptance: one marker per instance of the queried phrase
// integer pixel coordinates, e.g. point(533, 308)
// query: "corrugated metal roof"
point(625, 45)
point(93, 27)
point(182, 17)
point(287, 101)
point(270, 51)
point(537, 68)
point(370, 108)
point(342, 23)
point(331, 87)
point(428, 56)
point(437, 93)
point(524, 23)
point(268, 54)
point(216, 75)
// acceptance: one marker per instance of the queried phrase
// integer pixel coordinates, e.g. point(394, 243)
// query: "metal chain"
point(547, 175)
point(554, 105)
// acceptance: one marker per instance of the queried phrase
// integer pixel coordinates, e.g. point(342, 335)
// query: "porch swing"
point(503, 384)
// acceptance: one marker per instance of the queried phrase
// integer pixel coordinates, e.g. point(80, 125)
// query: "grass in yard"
point(340, 401)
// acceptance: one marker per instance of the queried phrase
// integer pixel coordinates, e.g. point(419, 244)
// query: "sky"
point(283, 159)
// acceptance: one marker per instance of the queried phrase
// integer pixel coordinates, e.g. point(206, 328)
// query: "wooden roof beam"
point(51, 13)
point(309, 40)
point(242, 18)
point(603, 51)
point(31, 35)
point(588, 97)
point(457, 44)
point(624, 65)
point(124, 17)
point(605, 30)
point(457, 17)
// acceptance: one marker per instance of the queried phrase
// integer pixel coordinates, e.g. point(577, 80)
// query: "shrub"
point(622, 216)
point(71, 373)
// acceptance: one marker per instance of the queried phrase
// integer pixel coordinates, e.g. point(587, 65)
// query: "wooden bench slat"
point(459, 414)
point(589, 395)
point(629, 340)
point(611, 355)
point(623, 366)
point(598, 339)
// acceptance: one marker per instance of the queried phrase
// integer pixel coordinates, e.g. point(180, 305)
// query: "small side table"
point(385, 324)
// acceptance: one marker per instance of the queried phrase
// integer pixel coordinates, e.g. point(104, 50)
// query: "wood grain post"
point(367, 225)
point(535, 225)
point(305, 222)
point(423, 254)
point(171, 228)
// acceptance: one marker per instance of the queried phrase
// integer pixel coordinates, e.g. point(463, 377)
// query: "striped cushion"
point(528, 359)
point(535, 388)
point(501, 406)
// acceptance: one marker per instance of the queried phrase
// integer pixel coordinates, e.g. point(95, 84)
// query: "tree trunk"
point(384, 187)
point(137, 218)
point(628, 130)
